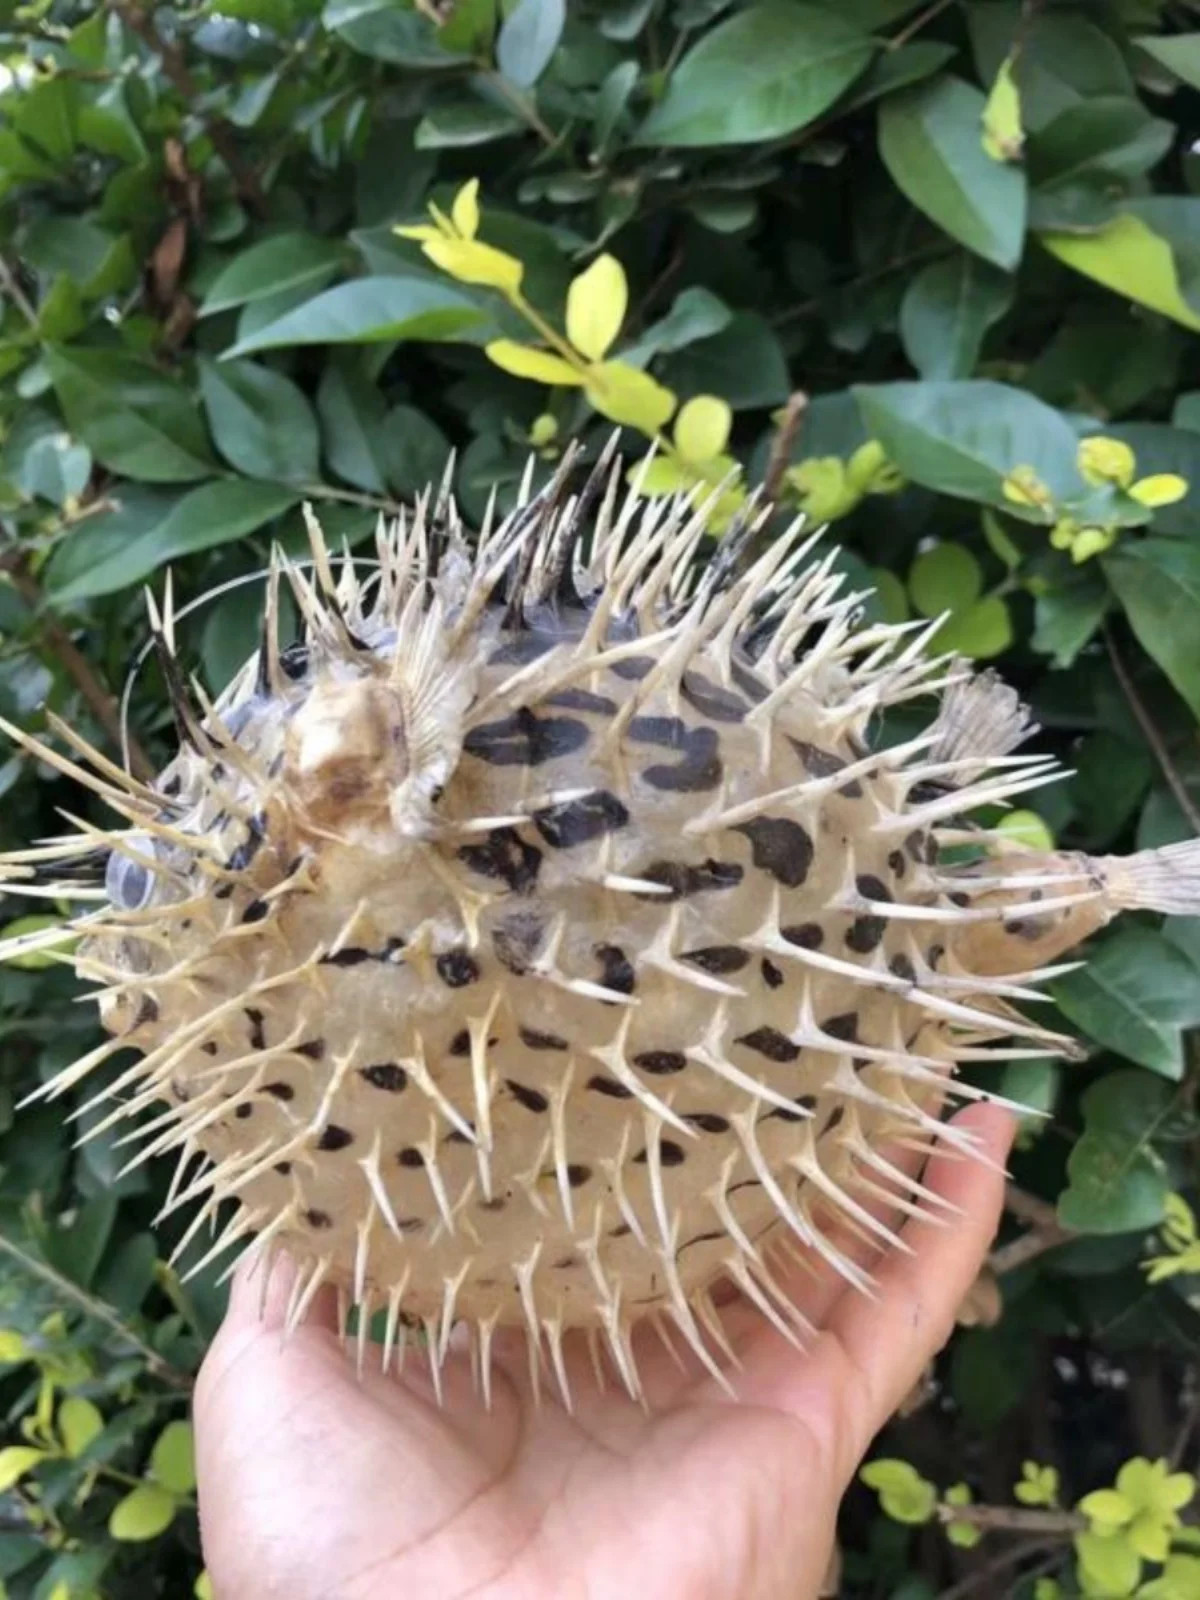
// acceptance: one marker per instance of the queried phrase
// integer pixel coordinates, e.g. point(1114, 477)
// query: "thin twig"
point(918, 22)
point(1153, 737)
point(1189, 1427)
point(781, 445)
point(96, 1309)
point(1016, 1519)
point(63, 649)
point(14, 291)
point(176, 68)
point(1000, 1563)
point(1029, 1208)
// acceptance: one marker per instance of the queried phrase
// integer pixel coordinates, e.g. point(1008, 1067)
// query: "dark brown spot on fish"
point(902, 967)
point(505, 857)
point(824, 764)
point(898, 863)
point(771, 1043)
point(717, 958)
point(386, 1075)
point(711, 699)
point(533, 1039)
point(616, 969)
point(699, 770)
point(517, 939)
point(496, 1203)
point(633, 668)
point(256, 911)
point(707, 1121)
point(804, 935)
point(843, 1027)
point(620, 1231)
point(865, 934)
point(772, 976)
point(523, 740)
point(781, 847)
point(751, 685)
point(351, 956)
point(456, 969)
point(334, 1138)
point(243, 1111)
point(580, 821)
point(577, 1175)
point(872, 888)
point(598, 705)
point(410, 1157)
point(312, 1049)
point(210, 1048)
point(531, 1099)
point(660, 1062)
point(460, 1045)
point(281, 1091)
point(805, 1104)
point(518, 649)
point(258, 1037)
point(318, 1219)
point(283, 1168)
point(599, 1084)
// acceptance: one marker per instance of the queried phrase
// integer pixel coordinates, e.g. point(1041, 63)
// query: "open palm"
point(316, 1486)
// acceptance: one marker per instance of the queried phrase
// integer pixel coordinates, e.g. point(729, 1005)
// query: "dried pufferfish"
point(540, 938)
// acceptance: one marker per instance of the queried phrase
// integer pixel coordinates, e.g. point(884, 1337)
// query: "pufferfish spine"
point(544, 938)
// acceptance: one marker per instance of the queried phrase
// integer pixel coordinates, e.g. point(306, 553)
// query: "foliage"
point(927, 272)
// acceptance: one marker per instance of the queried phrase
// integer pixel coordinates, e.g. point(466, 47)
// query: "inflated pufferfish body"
point(542, 936)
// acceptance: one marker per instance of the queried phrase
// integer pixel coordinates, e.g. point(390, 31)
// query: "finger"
point(873, 1349)
point(267, 1290)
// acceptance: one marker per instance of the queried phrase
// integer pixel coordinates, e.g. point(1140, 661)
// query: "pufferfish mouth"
point(545, 939)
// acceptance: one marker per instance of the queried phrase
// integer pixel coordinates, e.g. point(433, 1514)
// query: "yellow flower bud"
point(543, 431)
point(823, 488)
point(870, 471)
point(1161, 489)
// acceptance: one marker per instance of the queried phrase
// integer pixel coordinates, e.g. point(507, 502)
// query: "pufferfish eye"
point(129, 884)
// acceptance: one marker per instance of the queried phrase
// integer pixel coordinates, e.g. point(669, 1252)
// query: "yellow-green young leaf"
point(16, 1461)
point(79, 1422)
point(1160, 489)
point(632, 398)
point(1108, 1567)
point(660, 475)
point(523, 361)
point(1003, 136)
point(1129, 258)
point(203, 1589)
point(472, 262)
point(144, 1513)
point(1038, 1485)
point(596, 304)
point(1106, 1508)
point(172, 1461)
point(890, 594)
point(1047, 1589)
point(1102, 460)
point(702, 427)
point(60, 1591)
point(903, 1493)
point(1152, 1486)
point(1028, 830)
point(12, 1345)
point(464, 213)
point(981, 632)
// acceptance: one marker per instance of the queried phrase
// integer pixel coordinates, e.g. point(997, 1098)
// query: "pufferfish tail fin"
point(1166, 880)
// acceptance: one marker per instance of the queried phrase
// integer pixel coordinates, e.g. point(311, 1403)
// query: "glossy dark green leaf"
point(1157, 581)
point(744, 364)
point(1068, 614)
point(947, 309)
point(389, 32)
point(965, 438)
point(76, 1247)
point(1135, 996)
point(111, 553)
point(1179, 53)
point(1110, 135)
point(367, 311)
point(898, 69)
point(762, 73)
point(1175, 449)
point(133, 419)
point(457, 121)
point(283, 262)
point(930, 141)
point(352, 411)
point(528, 38)
point(1118, 1183)
point(261, 422)
point(697, 314)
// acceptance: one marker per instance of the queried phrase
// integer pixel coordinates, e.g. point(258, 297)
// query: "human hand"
point(316, 1486)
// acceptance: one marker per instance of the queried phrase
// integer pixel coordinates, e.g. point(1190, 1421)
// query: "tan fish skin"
point(542, 937)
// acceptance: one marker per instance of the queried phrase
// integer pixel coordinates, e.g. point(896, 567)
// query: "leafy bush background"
point(207, 318)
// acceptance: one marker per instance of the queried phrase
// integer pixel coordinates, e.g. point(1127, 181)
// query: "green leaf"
point(1108, 1564)
point(697, 314)
point(763, 73)
point(113, 552)
point(173, 1459)
point(285, 261)
point(133, 419)
point(1135, 996)
point(352, 410)
point(903, 1493)
point(947, 309)
point(1111, 135)
point(1158, 583)
point(45, 115)
point(965, 438)
point(261, 422)
point(898, 69)
point(370, 310)
point(528, 38)
point(457, 121)
point(144, 1513)
point(945, 578)
point(76, 1248)
point(929, 138)
point(384, 31)
point(99, 262)
point(1068, 615)
point(981, 631)
point(744, 364)
point(1179, 53)
point(43, 461)
point(79, 1422)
